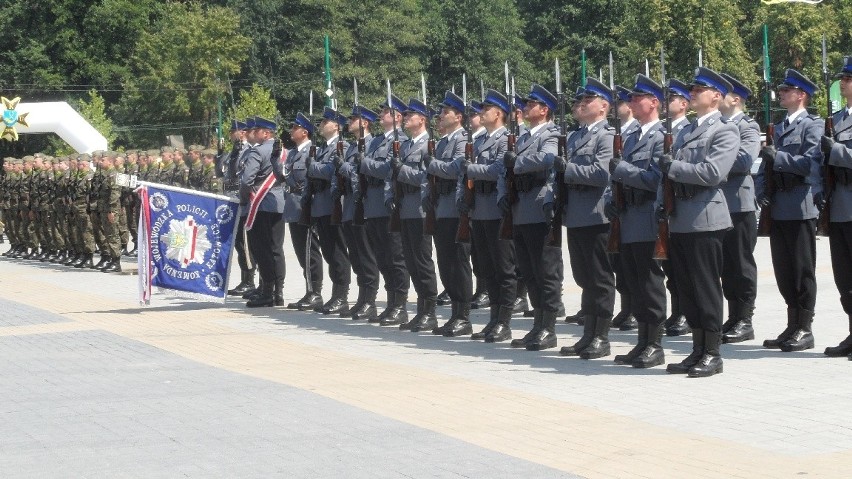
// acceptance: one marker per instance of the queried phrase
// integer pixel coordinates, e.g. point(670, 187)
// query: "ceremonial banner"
point(186, 239)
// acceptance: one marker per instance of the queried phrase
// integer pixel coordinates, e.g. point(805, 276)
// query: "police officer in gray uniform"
point(703, 156)
point(496, 256)
point(795, 161)
point(679, 99)
point(541, 267)
point(266, 237)
point(739, 271)
point(387, 245)
point(232, 168)
point(409, 171)
point(333, 246)
point(295, 182)
point(839, 155)
point(453, 257)
point(586, 168)
point(639, 175)
point(361, 253)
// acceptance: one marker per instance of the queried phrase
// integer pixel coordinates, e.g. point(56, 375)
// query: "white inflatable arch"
point(58, 117)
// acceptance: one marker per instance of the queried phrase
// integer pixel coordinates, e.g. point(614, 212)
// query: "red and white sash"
point(257, 197)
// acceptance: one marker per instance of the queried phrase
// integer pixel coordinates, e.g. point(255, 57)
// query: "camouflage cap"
point(84, 157)
point(167, 149)
point(196, 148)
point(208, 152)
point(28, 158)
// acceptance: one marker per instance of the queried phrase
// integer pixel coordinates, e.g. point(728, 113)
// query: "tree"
point(179, 69)
point(254, 101)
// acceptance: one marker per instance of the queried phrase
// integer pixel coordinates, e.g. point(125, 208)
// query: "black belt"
point(524, 183)
point(445, 186)
point(484, 187)
point(787, 181)
point(375, 182)
point(686, 191)
point(637, 197)
point(318, 185)
point(409, 189)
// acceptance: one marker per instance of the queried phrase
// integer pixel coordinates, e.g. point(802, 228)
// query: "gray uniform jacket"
point(376, 166)
point(487, 168)
point(841, 159)
point(799, 158)
point(703, 157)
point(294, 170)
point(256, 168)
point(534, 165)
point(588, 151)
point(411, 175)
point(321, 175)
point(349, 172)
point(739, 187)
point(449, 156)
point(630, 128)
point(640, 175)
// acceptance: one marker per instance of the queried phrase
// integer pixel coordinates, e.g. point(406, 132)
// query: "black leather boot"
point(802, 338)
point(742, 329)
point(522, 342)
point(398, 312)
point(427, 321)
point(107, 264)
point(641, 343)
point(100, 264)
point(114, 265)
point(480, 297)
point(576, 318)
point(653, 354)
point(454, 308)
point(124, 251)
point(733, 317)
point(443, 298)
point(624, 314)
point(311, 301)
point(460, 325)
point(792, 321)
point(339, 300)
point(501, 332)
point(264, 298)
point(697, 353)
point(246, 284)
point(492, 322)
point(711, 361)
point(676, 324)
point(588, 334)
point(367, 311)
point(842, 349)
point(407, 325)
point(278, 293)
point(85, 262)
point(599, 347)
point(546, 337)
point(71, 260)
point(358, 303)
point(251, 294)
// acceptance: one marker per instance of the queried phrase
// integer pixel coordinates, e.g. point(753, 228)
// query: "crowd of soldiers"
point(67, 210)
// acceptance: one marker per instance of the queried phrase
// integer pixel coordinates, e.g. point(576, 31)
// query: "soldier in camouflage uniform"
point(209, 180)
point(95, 186)
point(27, 215)
point(109, 211)
point(14, 216)
point(130, 201)
point(6, 203)
point(80, 189)
point(59, 218)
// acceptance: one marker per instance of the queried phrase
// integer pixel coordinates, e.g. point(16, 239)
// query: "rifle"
point(308, 195)
point(507, 223)
point(463, 231)
point(430, 218)
point(358, 217)
point(828, 176)
point(765, 221)
point(395, 222)
point(613, 244)
point(661, 247)
point(337, 205)
point(554, 236)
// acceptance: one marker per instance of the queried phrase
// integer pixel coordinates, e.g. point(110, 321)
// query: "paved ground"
point(95, 386)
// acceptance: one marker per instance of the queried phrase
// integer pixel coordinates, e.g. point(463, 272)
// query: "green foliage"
point(94, 111)
point(254, 101)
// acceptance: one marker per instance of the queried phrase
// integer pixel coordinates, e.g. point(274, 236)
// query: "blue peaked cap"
point(595, 87)
point(737, 87)
point(708, 78)
point(847, 68)
point(304, 122)
point(794, 79)
point(495, 98)
point(260, 122)
point(364, 112)
point(417, 106)
point(646, 86)
point(451, 100)
point(540, 94)
point(396, 104)
point(677, 87)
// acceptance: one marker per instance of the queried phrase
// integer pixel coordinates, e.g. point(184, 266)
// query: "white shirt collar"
point(498, 130)
point(303, 146)
point(735, 116)
point(535, 129)
point(481, 131)
point(702, 119)
point(647, 127)
point(678, 121)
point(592, 125)
point(389, 134)
point(332, 139)
point(627, 125)
point(456, 131)
point(792, 118)
point(418, 137)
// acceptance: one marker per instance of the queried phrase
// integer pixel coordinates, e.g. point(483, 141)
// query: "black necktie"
point(845, 114)
point(786, 124)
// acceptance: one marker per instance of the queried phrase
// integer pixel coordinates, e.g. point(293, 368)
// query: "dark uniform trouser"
point(696, 259)
point(793, 245)
point(591, 269)
point(389, 256)
point(739, 270)
point(453, 260)
point(244, 256)
point(334, 251)
point(417, 250)
point(361, 256)
point(539, 265)
point(496, 261)
point(618, 271)
point(299, 238)
point(840, 240)
point(266, 241)
point(670, 284)
point(644, 277)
